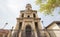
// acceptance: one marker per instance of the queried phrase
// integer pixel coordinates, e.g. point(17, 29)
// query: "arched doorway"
point(28, 31)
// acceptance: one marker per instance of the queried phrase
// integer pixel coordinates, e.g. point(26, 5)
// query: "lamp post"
point(5, 25)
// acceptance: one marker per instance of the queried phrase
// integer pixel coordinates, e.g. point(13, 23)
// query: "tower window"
point(36, 24)
point(22, 15)
point(20, 24)
point(34, 15)
point(28, 16)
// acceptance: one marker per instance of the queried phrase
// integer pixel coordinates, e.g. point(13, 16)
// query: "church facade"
point(28, 23)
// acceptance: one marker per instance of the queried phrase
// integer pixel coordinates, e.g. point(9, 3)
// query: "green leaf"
point(49, 6)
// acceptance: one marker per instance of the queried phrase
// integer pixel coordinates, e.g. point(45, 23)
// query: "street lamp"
point(5, 25)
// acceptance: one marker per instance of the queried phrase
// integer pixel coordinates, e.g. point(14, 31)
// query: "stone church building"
point(29, 25)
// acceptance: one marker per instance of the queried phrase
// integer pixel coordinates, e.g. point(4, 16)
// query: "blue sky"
point(10, 10)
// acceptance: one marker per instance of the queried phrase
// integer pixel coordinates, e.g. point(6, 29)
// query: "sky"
point(10, 10)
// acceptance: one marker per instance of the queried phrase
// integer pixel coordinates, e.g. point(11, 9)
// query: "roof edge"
point(52, 23)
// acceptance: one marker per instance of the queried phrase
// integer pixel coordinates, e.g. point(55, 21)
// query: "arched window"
point(28, 16)
point(20, 24)
point(22, 15)
point(28, 31)
point(36, 25)
point(34, 15)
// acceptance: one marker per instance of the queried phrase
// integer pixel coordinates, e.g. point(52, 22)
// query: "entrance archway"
point(28, 31)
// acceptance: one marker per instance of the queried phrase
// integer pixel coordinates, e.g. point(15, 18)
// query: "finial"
point(28, 6)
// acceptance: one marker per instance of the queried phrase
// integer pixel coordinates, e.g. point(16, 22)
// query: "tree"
point(47, 6)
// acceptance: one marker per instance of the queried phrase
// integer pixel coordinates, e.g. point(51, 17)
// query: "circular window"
point(28, 16)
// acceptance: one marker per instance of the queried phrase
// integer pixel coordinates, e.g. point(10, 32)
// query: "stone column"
point(35, 33)
point(33, 27)
point(20, 33)
point(40, 28)
point(21, 30)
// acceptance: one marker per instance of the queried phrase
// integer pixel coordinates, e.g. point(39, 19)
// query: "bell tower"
point(28, 23)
